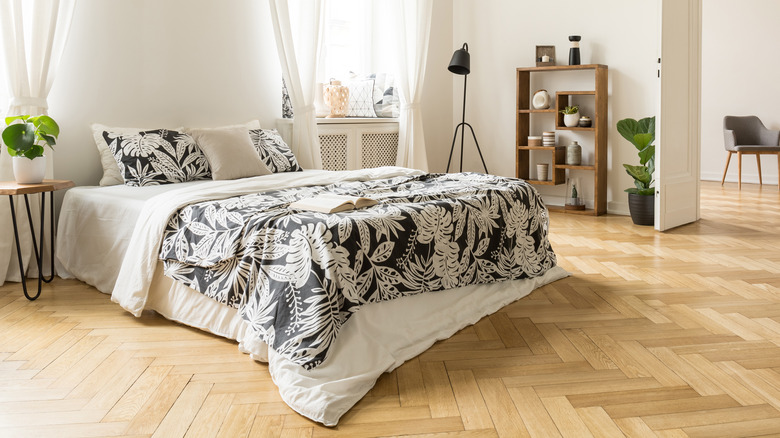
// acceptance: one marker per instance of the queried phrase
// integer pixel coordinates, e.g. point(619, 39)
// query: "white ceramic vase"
point(27, 171)
point(571, 120)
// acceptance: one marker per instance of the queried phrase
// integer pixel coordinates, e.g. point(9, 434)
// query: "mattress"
point(98, 225)
point(95, 226)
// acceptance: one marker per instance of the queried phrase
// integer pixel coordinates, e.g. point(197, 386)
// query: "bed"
point(111, 238)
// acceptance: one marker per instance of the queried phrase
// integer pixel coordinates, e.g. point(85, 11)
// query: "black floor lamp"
point(461, 65)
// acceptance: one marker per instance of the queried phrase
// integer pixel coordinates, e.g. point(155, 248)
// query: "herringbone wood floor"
point(674, 334)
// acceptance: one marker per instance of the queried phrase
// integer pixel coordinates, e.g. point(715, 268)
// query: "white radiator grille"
point(379, 149)
point(333, 148)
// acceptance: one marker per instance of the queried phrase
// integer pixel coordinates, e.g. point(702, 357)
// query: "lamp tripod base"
point(462, 127)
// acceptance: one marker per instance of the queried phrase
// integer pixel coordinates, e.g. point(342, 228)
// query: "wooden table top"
point(48, 185)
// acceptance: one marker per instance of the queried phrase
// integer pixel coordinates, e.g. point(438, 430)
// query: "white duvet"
point(378, 338)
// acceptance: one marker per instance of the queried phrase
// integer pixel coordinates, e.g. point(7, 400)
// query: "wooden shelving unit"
point(558, 153)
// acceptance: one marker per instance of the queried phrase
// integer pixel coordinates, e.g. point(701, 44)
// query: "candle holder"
point(545, 56)
point(337, 98)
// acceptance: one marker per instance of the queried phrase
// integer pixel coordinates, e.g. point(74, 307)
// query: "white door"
point(677, 149)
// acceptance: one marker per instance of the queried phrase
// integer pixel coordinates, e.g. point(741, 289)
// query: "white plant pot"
point(27, 171)
point(571, 120)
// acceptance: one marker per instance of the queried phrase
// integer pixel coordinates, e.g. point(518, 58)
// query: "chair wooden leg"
point(758, 162)
point(739, 162)
point(778, 170)
point(728, 160)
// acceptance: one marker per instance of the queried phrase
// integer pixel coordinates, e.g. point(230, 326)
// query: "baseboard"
point(619, 208)
point(747, 178)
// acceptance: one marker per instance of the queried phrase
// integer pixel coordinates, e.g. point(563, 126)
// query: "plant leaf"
point(628, 128)
point(646, 154)
point(50, 140)
point(46, 125)
point(647, 125)
point(639, 173)
point(646, 192)
point(19, 136)
point(11, 119)
point(33, 152)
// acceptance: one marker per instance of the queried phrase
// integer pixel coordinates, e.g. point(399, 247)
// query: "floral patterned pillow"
point(274, 152)
point(158, 156)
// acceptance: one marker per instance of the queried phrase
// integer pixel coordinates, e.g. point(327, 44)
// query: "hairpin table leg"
point(37, 246)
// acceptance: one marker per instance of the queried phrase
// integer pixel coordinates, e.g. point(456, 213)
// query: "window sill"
point(347, 120)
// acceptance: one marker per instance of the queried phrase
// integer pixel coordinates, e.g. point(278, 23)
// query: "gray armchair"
point(748, 136)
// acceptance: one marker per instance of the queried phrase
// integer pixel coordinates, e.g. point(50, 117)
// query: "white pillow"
point(230, 152)
point(361, 98)
point(111, 174)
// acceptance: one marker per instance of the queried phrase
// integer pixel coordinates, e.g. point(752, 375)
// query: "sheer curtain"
point(414, 25)
point(32, 39)
point(298, 27)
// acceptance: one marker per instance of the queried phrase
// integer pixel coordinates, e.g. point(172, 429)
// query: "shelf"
point(546, 182)
point(539, 148)
point(530, 111)
point(574, 128)
point(595, 98)
point(572, 167)
point(576, 93)
point(563, 68)
point(561, 209)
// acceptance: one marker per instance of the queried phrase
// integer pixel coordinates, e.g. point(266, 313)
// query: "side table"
point(12, 188)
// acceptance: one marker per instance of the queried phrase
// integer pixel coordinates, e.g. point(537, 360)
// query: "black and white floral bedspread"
point(297, 276)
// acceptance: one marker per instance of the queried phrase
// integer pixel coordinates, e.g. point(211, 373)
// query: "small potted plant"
point(573, 202)
point(641, 199)
point(25, 138)
point(571, 116)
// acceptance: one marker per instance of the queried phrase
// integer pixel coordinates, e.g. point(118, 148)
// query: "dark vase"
point(642, 209)
point(574, 51)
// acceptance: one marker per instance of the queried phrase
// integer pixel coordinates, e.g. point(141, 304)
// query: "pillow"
point(361, 98)
point(111, 174)
point(230, 152)
point(252, 124)
point(155, 157)
point(274, 152)
point(386, 100)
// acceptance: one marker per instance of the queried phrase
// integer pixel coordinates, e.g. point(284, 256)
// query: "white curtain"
point(414, 24)
point(32, 39)
point(298, 29)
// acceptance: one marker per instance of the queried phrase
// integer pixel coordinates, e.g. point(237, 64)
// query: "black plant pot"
point(642, 208)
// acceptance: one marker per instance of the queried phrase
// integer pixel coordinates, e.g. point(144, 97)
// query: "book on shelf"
point(330, 203)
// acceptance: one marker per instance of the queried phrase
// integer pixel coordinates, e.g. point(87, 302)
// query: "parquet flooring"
point(655, 334)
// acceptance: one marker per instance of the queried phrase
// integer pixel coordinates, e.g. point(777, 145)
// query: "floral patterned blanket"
point(297, 276)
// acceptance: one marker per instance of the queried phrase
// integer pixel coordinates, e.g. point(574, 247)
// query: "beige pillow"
point(230, 152)
point(252, 124)
point(111, 174)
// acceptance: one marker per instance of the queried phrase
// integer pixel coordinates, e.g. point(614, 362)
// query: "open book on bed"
point(330, 203)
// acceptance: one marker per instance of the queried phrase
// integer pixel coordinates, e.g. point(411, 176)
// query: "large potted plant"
point(25, 138)
point(641, 199)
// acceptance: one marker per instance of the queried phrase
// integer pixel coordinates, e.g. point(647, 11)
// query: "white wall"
point(502, 35)
point(152, 63)
point(437, 104)
point(739, 77)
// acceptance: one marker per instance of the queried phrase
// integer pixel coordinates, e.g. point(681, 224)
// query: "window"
point(357, 39)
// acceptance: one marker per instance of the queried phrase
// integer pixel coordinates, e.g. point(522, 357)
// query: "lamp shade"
point(460, 64)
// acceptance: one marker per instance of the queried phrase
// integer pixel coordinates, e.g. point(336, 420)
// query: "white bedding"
point(95, 226)
point(365, 347)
